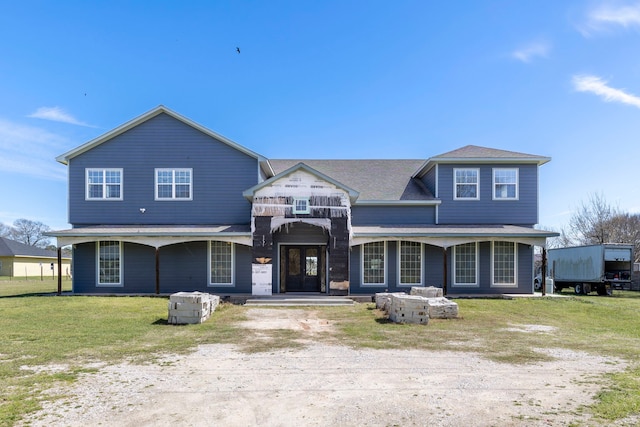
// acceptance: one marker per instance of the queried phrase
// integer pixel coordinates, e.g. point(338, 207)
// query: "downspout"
point(444, 267)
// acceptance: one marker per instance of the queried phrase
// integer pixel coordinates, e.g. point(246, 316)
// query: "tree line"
point(28, 232)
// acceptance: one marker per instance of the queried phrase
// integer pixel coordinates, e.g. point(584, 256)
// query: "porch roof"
point(154, 235)
point(450, 235)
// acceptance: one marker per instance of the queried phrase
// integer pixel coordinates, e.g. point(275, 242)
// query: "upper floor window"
point(505, 184)
point(173, 184)
point(466, 184)
point(104, 184)
point(301, 205)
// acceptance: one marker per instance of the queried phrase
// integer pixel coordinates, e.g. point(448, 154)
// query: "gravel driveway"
point(324, 385)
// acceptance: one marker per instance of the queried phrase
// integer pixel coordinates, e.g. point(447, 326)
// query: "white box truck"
point(599, 268)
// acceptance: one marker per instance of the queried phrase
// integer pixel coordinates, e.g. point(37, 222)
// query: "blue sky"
point(329, 79)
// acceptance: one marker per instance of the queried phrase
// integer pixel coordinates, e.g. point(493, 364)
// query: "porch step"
point(277, 301)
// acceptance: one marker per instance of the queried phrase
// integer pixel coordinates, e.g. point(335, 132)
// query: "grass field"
point(45, 331)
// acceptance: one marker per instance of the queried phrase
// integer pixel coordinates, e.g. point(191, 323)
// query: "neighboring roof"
point(11, 248)
point(477, 154)
point(375, 180)
point(161, 109)
point(353, 194)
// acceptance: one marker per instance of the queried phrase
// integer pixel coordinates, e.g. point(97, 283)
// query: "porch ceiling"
point(450, 235)
point(154, 235)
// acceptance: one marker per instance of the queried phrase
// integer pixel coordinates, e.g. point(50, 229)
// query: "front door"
point(302, 268)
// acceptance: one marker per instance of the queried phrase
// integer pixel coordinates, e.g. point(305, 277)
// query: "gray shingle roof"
point(10, 247)
point(477, 152)
point(385, 180)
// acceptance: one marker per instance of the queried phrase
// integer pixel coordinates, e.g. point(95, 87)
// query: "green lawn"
point(75, 330)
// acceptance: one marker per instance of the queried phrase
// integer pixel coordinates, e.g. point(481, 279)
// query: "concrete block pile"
point(191, 307)
point(409, 309)
point(428, 292)
point(403, 308)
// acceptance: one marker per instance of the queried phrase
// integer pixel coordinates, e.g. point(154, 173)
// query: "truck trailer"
point(599, 268)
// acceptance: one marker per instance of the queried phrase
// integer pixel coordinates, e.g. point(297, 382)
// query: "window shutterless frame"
point(109, 264)
point(374, 264)
point(410, 260)
point(465, 265)
point(301, 205)
point(221, 263)
point(504, 264)
point(466, 184)
point(104, 184)
point(173, 184)
point(505, 184)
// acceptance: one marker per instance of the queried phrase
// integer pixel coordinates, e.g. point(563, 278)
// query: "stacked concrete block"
point(442, 308)
point(191, 307)
point(409, 309)
point(383, 300)
point(429, 292)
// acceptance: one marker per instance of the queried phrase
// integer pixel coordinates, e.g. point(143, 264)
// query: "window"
point(466, 183)
point(504, 263)
point(410, 263)
point(373, 263)
point(465, 260)
point(173, 184)
point(301, 205)
point(109, 263)
point(220, 263)
point(505, 184)
point(104, 184)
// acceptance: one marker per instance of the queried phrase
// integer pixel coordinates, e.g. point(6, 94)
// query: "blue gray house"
point(162, 204)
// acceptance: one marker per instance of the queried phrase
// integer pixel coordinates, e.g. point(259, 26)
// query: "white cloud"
point(529, 52)
point(30, 151)
point(608, 16)
point(598, 86)
point(56, 114)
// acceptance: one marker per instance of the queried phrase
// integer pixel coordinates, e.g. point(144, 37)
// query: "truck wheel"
point(578, 288)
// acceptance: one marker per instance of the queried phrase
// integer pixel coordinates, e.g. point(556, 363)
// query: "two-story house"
point(162, 204)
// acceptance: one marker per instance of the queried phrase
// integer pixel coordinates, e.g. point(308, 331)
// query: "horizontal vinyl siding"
point(183, 267)
point(392, 215)
point(524, 279)
point(523, 211)
point(432, 270)
point(219, 176)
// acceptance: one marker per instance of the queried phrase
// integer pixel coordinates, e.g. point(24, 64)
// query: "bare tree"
point(597, 222)
point(5, 230)
point(30, 232)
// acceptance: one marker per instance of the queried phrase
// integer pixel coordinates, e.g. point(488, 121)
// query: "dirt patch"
point(332, 385)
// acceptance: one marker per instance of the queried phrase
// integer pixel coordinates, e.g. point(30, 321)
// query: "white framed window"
point(221, 263)
point(374, 263)
point(503, 261)
point(410, 263)
point(505, 184)
point(109, 263)
point(174, 184)
point(301, 205)
point(103, 184)
point(465, 264)
point(466, 184)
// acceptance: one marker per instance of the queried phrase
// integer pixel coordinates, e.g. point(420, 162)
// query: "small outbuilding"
point(20, 260)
